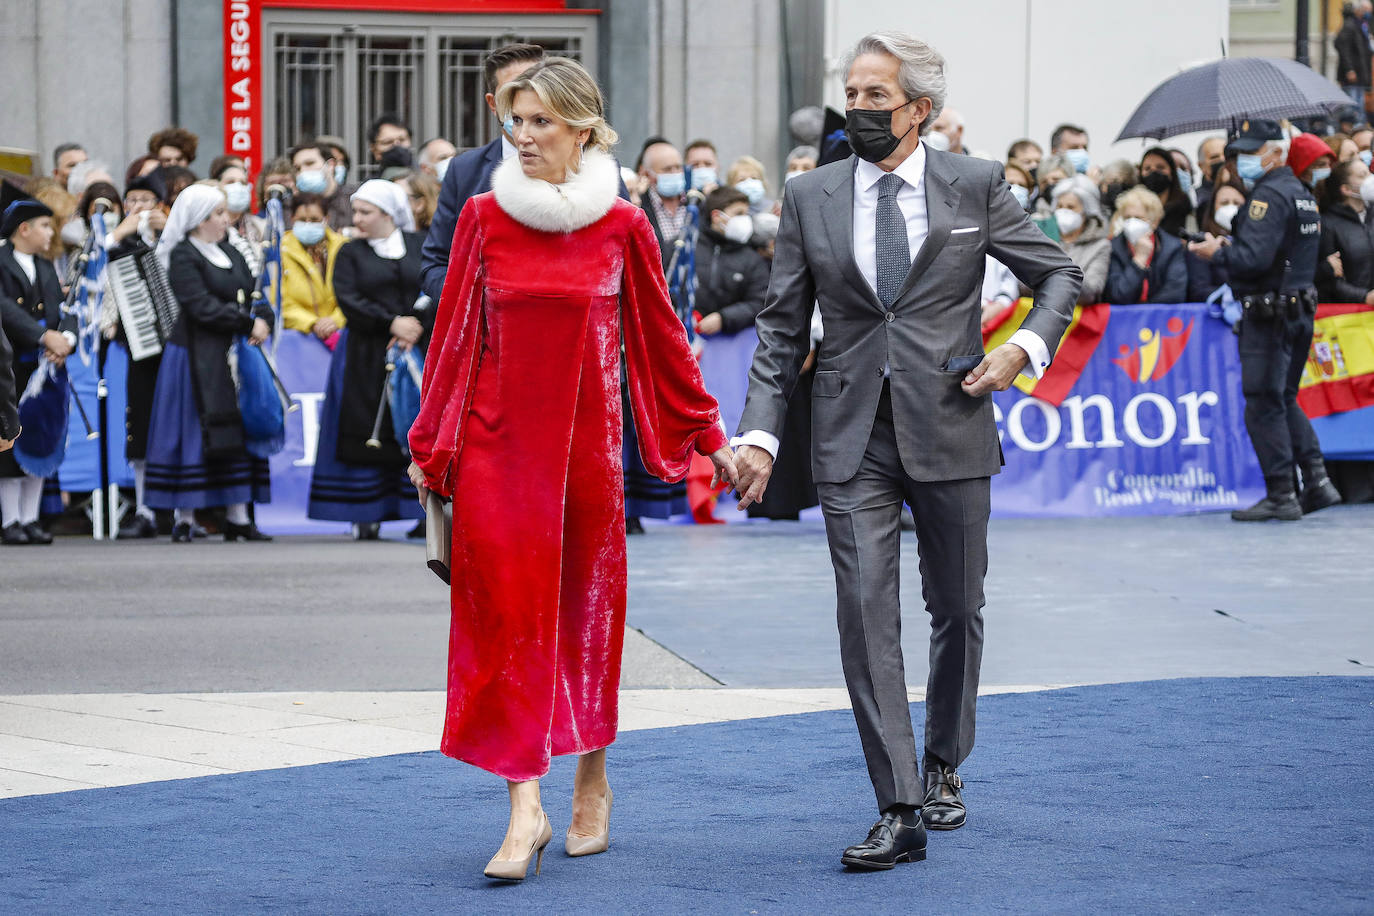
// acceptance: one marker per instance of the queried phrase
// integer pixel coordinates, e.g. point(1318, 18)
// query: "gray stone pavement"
point(128, 662)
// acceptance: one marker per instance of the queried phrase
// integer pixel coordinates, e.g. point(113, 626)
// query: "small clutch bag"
point(438, 535)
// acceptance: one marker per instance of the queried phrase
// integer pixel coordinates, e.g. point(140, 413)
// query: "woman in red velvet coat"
point(520, 424)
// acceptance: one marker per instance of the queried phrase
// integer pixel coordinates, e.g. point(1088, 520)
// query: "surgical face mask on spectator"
point(1226, 215)
point(1367, 190)
point(1366, 156)
point(671, 184)
point(1079, 158)
point(340, 173)
point(1185, 181)
point(1250, 166)
point(1135, 229)
point(739, 229)
point(441, 168)
point(237, 197)
point(1068, 221)
point(308, 233)
point(1021, 194)
point(112, 219)
point(751, 188)
point(703, 177)
point(508, 126)
point(792, 174)
point(73, 233)
point(1320, 175)
point(312, 181)
point(937, 140)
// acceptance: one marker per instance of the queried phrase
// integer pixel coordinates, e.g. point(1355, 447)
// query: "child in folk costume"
point(31, 305)
point(197, 451)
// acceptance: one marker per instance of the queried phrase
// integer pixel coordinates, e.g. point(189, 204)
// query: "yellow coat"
point(306, 295)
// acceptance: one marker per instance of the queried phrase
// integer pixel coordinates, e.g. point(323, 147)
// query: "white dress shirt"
point(911, 200)
point(25, 262)
point(508, 149)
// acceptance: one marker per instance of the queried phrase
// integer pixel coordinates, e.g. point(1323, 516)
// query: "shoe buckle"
point(954, 780)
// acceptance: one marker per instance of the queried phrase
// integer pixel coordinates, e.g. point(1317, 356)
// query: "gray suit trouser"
point(863, 526)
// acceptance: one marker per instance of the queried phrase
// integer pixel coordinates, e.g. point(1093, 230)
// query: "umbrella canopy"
point(1216, 96)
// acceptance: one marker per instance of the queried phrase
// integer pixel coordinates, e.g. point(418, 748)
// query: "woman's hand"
point(1144, 248)
point(724, 461)
point(324, 327)
point(1337, 267)
point(406, 330)
point(261, 331)
point(417, 477)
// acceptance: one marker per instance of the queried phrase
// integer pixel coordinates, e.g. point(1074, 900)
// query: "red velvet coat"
point(520, 423)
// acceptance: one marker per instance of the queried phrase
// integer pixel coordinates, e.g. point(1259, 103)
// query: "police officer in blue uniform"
point(1272, 261)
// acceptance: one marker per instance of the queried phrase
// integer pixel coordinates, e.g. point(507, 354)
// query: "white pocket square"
point(965, 229)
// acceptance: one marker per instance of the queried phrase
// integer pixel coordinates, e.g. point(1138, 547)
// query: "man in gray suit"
point(891, 243)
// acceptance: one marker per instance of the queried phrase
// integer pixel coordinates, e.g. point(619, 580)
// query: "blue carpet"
point(1239, 795)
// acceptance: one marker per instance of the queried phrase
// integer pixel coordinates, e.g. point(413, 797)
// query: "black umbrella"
point(1217, 96)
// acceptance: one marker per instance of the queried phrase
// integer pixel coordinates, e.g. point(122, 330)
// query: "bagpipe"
point(682, 266)
point(263, 399)
point(401, 394)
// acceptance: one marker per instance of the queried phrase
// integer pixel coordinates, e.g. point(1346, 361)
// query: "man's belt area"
point(1289, 304)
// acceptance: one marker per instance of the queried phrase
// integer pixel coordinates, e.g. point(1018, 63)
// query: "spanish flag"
point(1339, 375)
point(1076, 347)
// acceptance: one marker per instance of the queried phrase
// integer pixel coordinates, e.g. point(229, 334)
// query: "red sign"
point(243, 81)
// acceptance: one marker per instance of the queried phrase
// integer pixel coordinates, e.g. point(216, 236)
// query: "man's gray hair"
point(922, 71)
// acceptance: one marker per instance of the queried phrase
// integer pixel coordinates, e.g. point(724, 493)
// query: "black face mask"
point(1111, 193)
point(1159, 182)
point(870, 132)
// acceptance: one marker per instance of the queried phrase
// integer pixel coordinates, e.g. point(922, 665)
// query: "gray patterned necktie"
point(893, 247)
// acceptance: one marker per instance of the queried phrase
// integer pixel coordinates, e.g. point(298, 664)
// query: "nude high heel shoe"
point(591, 845)
point(516, 869)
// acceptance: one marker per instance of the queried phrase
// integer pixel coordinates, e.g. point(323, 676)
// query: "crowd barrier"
point(1141, 415)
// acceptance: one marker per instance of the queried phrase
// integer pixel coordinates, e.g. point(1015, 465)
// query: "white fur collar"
point(583, 199)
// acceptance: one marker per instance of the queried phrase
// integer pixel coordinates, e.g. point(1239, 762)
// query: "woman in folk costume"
point(377, 284)
point(197, 455)
point(520, 425)
point(31, 305)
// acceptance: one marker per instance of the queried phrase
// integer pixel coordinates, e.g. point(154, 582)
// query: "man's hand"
point(754, 466)
point(724, 461)
point(6, 444)
point(1207, 249)
point(710, 324)
point(1337, 267)
point(996, 372)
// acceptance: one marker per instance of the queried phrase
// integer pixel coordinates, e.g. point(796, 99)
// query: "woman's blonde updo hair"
point(567, 91)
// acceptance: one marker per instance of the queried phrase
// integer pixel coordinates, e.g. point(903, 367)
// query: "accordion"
point(147, 308)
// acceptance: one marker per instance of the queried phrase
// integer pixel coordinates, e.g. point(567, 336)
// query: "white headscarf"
point(193, 207)
point(388, 197)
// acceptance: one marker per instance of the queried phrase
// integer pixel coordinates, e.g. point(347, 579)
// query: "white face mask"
point(1021, 194)
point(237, 196)
point(73, 233)
point(441, 168)
point(1135, 229)
point(739, 229)
point(1069, 221)
point(1367, 190)
point(1226, 215)
point(936, 140)
point(793, 174)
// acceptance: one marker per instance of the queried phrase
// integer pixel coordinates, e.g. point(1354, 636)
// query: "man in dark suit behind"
point(470, 173)
point(891, 243)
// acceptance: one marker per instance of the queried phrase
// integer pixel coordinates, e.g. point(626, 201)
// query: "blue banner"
point(1153, 426)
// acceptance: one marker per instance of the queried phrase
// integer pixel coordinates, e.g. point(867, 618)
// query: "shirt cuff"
point(1035, 348)
point(759, 439)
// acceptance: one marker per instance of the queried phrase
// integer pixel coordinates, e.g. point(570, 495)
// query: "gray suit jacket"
point(932, 335)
